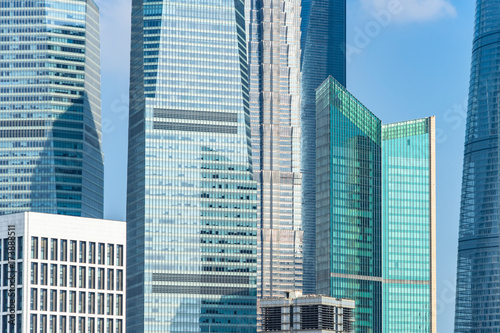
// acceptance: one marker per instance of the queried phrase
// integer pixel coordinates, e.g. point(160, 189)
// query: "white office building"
point(62, 274)
point(307, 313)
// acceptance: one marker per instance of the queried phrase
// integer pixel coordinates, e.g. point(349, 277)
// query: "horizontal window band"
point(198, 290)
point(201, 278)
point(377, 279)
point(196, 115)
point(195, 128)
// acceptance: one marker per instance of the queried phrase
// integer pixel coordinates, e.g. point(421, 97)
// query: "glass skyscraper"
point(274, 61)
point(478, 264)
point(375, 222)
point(408, 227)
point(323, 54)
point(50, 108)
point(191, 197)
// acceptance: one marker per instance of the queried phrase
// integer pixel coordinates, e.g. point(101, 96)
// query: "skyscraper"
point(478, 267)
point(50, 108)
point(375, 214)
point(323, 54)
point(409, 227)
point(191, 198)
point(274, 59)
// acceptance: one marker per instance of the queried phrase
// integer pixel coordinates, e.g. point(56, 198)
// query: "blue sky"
point(407, 59)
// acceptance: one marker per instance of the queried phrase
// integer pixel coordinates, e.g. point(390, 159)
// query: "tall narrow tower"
point(274, 58)
point(478, 264)
point(50, 108)
point(191, 198)
point(323, 54)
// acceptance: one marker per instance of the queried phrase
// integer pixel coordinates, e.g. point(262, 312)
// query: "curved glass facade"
point(323, 42)
point(191, 198)
point(478, 264)
point(50, 108)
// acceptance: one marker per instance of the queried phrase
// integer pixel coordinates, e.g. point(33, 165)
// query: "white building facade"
point(62, 274)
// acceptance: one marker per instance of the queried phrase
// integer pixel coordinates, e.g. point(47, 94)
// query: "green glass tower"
point(372, 244)
point(408, 227)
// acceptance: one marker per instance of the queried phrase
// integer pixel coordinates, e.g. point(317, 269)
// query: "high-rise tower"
point(376, 214)
point(50, 108)
point(191, 198)
point(274, 59)
point(323, 55)
point(478, 264)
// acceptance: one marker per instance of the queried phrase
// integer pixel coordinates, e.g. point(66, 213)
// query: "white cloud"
point(115, 34)
point(412, 10)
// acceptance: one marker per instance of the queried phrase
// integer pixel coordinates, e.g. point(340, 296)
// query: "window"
point(72, 324)
point(109, 328)
point(19, 273)
point(64, 250)
point(53, 249)
point(44, 248)
point(91, 325)
point(53, 275)
point(43, 300)
point(53, 324)
point(111, 279)
point(62, 324)
point(20, 247)
point(119, 280)
point(82, 277)
point(119, 326)
point(111, 254)
point(119, 305)
point(81, 324)
point(72, 301)
point(83, 252)
point(119, 255)
point(72, 276)
point(62, 301)
point(43, 323)
point(81, 303)
point(100, 325)
point(110, 305)
point(72, 251)
point(91, 253)
point(91, 277)
point(53, 300)
point(100, 254)
point(34, 273)
point(34, 248)
point(100, 278)
point(100, 304)
point(34, 299)
point(33, 325)
point(64, 276)
point(44, 274)
point(91, 303)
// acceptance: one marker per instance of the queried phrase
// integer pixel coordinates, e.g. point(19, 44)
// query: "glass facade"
point(274, 61)
point(478, 264)
point(375, 219)
point(323, 44)
point(408, 227)
point(349, 211)
point(50, 108)
point(191, 198)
